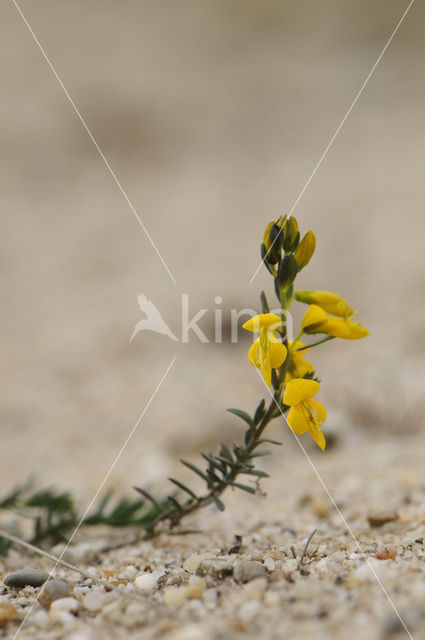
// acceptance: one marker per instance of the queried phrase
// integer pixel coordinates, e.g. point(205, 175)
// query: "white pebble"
point(249, 610)
point(270, 564)
point(146, 582)
point(65, 604)
point(40, 619)
point(95, 600)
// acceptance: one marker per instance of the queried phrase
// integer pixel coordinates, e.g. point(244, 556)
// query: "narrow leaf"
point(243, 415)
point(256, 472)
point(259, 412)
point(194, 468)
point(219, 503)
point(183, 487)
point(225, 452)
point(244, 487)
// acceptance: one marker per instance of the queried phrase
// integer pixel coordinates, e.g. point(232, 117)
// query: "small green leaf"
point(243, 415)
point(225, 452)
point(256, 472)
point(259, 412)
point(259, 454)
point(219, 503)
point(244, 487)
point(194, 468)
point(183, 487)
point(271, 441)
point(214, 463)
point(264, 303)
point(175, 503)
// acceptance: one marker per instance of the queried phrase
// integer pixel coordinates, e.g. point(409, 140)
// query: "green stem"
point(218, 488)
point(314, 344)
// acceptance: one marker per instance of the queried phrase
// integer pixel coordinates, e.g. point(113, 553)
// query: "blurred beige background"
point(213, 116)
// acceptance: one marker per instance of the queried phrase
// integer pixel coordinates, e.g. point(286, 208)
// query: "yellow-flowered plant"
point(280, 360)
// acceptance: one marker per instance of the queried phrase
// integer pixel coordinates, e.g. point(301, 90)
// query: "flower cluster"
point(282, 361)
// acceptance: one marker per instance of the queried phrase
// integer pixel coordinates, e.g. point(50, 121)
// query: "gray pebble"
point(217, 567)
point(245, 570)
point(25, 578)
point(54, 590)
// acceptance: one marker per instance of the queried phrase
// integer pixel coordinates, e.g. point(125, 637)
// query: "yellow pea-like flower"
point(305, 415)
point(267, 352)
point(328, 301)
point(316, 320)
point(297, 366)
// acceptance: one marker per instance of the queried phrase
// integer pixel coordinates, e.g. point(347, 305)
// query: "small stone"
point(249, 610)
point(256, 587)
point(146, 582)
point(192, 563)
point(71, 605)
point(196, 588)
point(26, 577)
point(217, 567)
point(40, 618)
point(290, 565)
point(176, 595)
point(190, 632)
point(379, 518)
point(245, 570)
point(96, 600)
point(320, 508)
point(387, 553)
point(8, 613)
point(54, 590)
point(270, 564)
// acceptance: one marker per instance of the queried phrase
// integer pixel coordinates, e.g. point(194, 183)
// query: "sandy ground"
point(213, 116)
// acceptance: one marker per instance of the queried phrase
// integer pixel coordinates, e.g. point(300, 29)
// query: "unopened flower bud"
point(304, 252)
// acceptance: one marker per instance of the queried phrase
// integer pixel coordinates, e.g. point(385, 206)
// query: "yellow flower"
point(298, 366)
point(305, 415)
point(328, 301)
point(316, 320)
point(267, 352)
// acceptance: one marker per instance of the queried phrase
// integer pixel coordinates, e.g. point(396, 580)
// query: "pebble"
point(321, 508)
point(96, 600)
point(387, 553)
point(249, 610)
point(26, 577)
point(54, 590)
point(190, 632)
point(245, 570)
point(176, 595)
point(379, 518)
point(146, 582)
point(191, 564)
point(217, 567)
point(8, 613)
point(71, 605)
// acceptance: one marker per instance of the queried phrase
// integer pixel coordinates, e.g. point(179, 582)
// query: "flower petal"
point(262, 320)
point(277, 354)
point(299, 390)
point(297, 419)
point(314, 317)
point(319, 410)
point(266, 370)
point(318, 438)
point(253, 355)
